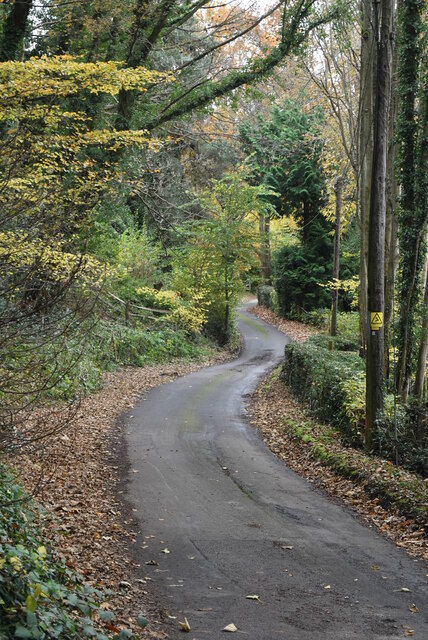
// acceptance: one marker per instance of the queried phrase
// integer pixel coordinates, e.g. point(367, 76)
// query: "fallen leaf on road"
point(408, 632)
point(230, 627)
point(124, 583)
point(327, 586)
point(253, 598)
point(413, 608)
point(152, 563)
point(166, 551)
point(287, 546)
point(185, 626)
point(405, 589)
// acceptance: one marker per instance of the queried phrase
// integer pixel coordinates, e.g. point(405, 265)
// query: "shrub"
point(116, 344)
point(328, 375)
point(315, 374)
point(264, 296)
point(110, 344)
point(186, 315)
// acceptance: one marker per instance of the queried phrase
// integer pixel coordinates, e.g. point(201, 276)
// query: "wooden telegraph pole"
point(376, 295)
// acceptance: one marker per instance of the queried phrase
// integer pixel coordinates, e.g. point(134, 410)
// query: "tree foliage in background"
point(286, 152)
point(219, 250)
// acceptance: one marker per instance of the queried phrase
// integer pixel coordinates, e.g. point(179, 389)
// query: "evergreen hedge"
point(315, 371)
point(264, 296)
point(328, 375)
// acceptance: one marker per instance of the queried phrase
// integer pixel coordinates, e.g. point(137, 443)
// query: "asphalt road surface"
point(235, 522)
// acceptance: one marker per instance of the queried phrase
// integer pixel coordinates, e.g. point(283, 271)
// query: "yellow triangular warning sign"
point(376, 320)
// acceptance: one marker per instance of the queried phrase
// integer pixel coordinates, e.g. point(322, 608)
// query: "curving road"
point(207, 489)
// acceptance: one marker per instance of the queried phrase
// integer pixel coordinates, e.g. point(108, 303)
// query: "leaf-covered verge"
point(293, 329)
point(41, 595)
point(388, 497)
point(77, 476)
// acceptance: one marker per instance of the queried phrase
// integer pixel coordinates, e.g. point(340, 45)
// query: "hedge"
point(315, 371)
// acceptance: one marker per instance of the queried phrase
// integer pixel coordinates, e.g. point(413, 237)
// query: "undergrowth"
point(40, 596)
point(108, 345)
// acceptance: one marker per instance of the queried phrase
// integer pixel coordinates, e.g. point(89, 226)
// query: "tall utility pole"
point(376, 295)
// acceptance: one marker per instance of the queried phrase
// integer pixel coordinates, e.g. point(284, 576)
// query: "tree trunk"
point(14, 30)
point(365, 154)
point(391, 246)
point(423, 345)
point(413, 139)
point(336, 259)
point(265, 252)
point(227, 304)
point(391, 261)
point(375, 274)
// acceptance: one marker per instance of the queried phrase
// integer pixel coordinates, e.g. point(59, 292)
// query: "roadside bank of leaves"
point(390, 498)
point(40, 595)
point(78, 477)
point(293, 329)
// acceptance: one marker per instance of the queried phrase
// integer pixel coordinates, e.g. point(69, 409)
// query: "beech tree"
point(183, 38)
point(51, 179)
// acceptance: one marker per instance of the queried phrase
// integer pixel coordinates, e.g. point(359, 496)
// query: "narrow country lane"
point(237, 522)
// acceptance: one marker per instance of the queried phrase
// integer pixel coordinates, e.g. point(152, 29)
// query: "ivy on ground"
point(40, 596)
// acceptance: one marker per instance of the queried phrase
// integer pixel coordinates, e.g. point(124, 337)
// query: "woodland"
point(159, 160)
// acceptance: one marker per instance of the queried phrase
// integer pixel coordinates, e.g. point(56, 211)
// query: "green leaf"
point(31, 603)
point(22, 632)
point(72, 599)
point(107, 616)
point(142, 620)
